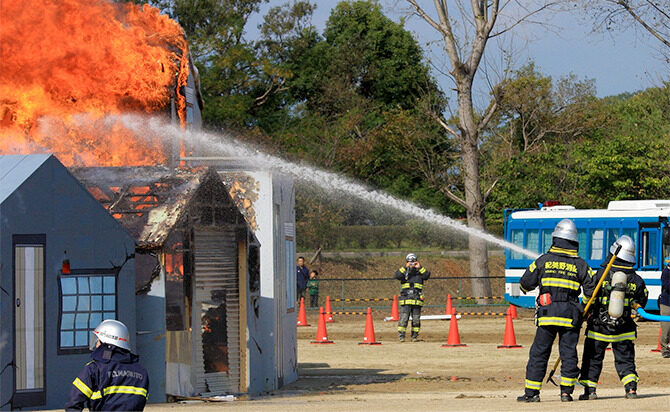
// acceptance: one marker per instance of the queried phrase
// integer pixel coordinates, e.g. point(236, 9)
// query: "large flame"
point(65, 65)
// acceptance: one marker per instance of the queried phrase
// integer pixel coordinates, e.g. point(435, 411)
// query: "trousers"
point(665, 328)
point(624, 362)
point(405, 311)
point(539, 358)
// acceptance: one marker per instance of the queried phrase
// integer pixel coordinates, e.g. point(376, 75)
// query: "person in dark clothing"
point(664, 306)
point(313, 286)
point(114, 379)
point(603, 328)
point(560, 274)
point(412, 277)
point(302, 276)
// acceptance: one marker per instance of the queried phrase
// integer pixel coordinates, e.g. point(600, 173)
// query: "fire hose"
point(650, 316)
point(587, 307)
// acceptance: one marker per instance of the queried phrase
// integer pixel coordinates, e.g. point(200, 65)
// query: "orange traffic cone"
point(395, 316)
point(449, 308)
point(369, 336)
point(509, 341)
point(302, 315)
point(658, 348)
point(453, 340)
point(512, 309)
point(329, 311)
point(321, 332)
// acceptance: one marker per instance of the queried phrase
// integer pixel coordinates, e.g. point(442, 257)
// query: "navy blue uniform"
point(113, 381)
point(560, 273)
point(302, 276)
point(411, 297)
point(602, 330)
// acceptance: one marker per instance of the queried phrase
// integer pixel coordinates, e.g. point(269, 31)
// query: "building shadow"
point(320, 377)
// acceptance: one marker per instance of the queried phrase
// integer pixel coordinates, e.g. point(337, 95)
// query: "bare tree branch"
point(624, 4)
point(451, 195)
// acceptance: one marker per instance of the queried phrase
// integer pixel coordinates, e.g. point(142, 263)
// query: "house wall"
point(272, 341)
point(54, 203)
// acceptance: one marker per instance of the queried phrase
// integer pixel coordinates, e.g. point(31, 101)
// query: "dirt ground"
point(427, 376)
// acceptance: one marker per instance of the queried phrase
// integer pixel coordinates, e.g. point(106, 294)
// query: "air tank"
point(618, 294)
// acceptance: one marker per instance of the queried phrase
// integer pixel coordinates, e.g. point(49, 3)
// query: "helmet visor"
point(94, 342)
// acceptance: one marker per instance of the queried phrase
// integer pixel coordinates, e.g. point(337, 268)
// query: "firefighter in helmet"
point(411, 276)
point(560, 274)
point(114, 379)
point(610, 322)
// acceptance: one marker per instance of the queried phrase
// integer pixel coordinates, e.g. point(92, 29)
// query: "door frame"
point(28, 398)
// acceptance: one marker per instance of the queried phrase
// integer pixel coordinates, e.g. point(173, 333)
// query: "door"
point(29, 377)
point(216, 311)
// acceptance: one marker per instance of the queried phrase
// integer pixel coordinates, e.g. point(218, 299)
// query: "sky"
point(622, 61)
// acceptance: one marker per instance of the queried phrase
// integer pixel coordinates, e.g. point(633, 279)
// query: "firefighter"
point(560, 274)
point(114, 379)
point(411, 276)
point(610, 322)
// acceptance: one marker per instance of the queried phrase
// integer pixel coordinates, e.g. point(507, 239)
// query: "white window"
point(86, 300)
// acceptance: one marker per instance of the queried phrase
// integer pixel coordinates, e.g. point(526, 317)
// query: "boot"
point(566, 397)
point(401, 337)
point(415, 337)
point(588, 395)
point(529, 398)
point(631, 394)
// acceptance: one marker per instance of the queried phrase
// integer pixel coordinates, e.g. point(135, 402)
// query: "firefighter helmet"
point(627, 251)
point(111, 332)
point(411, 257)
point(566, 229)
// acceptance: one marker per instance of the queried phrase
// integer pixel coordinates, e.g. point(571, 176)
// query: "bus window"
point(532, 239)
point(649, 248)
point(583, 244)
point(547, 239)
point(596, 244)
point(612, 235)
point(631, 233)
point(517, 239)
point(666, 243)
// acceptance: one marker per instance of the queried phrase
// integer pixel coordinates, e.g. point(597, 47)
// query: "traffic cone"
point(369, 336)
point(453, 340)
point(329, 311)
point(302, 315)
point(395, 316)
point(658, 348)
point(512, 309)
point(449, 308)
point(509, 340)
point(321, 332)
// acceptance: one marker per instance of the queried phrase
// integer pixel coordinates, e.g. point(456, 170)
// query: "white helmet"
point(411, 257)
point(111, 332)
point(627, 251)
point(566, 229)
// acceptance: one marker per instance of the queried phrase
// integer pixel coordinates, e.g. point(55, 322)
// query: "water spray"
point(226, 145)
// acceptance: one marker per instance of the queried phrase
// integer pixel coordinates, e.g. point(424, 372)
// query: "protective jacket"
point(600, 326)
point(560, 273)
point(302, 276)
point(411, 280)
point(664, 297)
point(113, 380)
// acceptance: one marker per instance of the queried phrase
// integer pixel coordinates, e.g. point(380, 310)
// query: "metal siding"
point(216, 269)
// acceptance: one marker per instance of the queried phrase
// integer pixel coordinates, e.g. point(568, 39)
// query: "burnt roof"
point(147, 200)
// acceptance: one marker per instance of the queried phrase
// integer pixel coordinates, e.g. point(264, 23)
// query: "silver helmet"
point(627, 251)
point(111, 332)
point(411, 257)
point(566, 229)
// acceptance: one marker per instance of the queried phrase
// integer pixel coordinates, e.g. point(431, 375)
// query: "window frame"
point(76, 273)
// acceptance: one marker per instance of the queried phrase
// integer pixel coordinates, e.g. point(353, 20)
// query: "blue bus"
point(645, 221)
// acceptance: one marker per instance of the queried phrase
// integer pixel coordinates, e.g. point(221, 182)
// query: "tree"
point(652, 15)
point(465, 50)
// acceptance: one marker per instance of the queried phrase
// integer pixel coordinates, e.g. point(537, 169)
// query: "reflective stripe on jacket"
point(411, 287)
point(113, 380)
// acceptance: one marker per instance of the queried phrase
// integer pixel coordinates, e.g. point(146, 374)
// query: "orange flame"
point(66, 65)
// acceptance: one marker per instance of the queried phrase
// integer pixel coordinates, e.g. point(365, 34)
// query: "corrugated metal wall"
point(216, 283)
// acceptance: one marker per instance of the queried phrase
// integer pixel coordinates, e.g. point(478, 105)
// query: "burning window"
point(214, 334)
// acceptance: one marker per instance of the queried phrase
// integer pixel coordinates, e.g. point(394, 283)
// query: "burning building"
point(214, 266)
